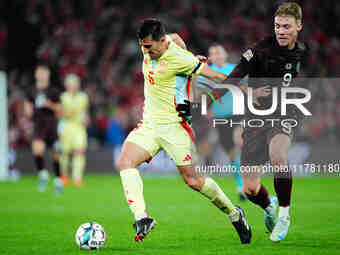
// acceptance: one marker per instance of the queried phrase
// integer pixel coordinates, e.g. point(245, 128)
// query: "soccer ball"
point(90, 236)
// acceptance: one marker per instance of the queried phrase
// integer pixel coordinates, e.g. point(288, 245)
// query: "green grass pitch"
point(33, 223)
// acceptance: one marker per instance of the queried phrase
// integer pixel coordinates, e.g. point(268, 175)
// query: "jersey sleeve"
point(187, 64)
point(248, 63)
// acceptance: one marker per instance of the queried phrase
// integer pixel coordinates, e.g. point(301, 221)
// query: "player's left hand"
point(202, 59)
point(184, 109)
point(262, 92)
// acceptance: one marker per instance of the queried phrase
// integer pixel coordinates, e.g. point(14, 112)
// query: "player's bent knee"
point(250, 191)
point(79, 152)
point(193, 183)
point(277, 158)
point(251, 188)
point(125, 163)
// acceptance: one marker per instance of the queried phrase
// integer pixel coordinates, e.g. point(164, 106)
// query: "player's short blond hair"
point(217, 45)
point(290, 9)
point(72, 78)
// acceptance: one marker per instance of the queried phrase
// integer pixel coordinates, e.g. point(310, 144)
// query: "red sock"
point(39, 162)
point(283, 187)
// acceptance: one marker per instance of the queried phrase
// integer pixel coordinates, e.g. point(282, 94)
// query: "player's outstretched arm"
point(55, 107)
point(239, 72)
point(178, 40)
point(210, 74)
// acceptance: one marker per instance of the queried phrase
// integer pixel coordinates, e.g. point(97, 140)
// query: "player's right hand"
point(202, 59)
point(261, 92)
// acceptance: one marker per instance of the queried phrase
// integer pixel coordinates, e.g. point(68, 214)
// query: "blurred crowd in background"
point(95, 39)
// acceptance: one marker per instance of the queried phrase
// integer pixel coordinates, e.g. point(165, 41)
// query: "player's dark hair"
point(292, 9)
point(151, 27)
point(43, 65)
point(54, 78)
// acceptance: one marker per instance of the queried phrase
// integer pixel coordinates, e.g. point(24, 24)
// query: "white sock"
point(270, 208)
point(43, 175)
point(139, 216)
point(58, 182)
point(133, 188)
point(212, 191)
point(284, 211)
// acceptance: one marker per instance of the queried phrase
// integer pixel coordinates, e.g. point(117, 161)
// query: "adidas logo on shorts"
point(187, 158)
